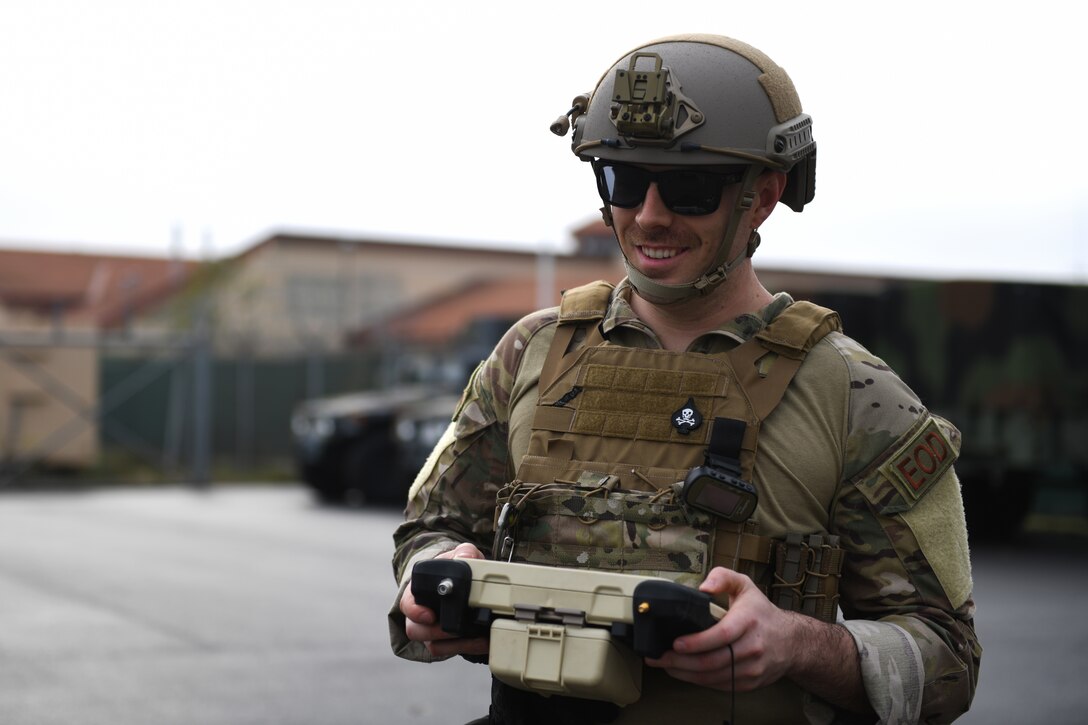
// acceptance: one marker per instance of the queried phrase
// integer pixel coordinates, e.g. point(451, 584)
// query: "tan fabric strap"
point(765, 365)
point(580, 312)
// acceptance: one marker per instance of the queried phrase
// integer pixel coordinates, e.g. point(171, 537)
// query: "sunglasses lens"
point(623, 186)
point(692, 193)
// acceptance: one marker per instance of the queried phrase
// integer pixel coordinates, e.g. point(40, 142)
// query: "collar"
point(622, 326)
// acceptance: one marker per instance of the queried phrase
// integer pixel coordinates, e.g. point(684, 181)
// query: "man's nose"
point(653, 212)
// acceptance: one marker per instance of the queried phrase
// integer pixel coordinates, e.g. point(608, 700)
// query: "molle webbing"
point(629, 396)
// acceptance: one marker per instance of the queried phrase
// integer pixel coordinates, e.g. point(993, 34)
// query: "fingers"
point(719, 668)
point(462, 551)
point(725, 581)
point(704, 658)
point(752, 646)
point(414, 612)
point(443, 644)
point(450, 647)
point(418, 613)
point(719, 656)
point(713, 638)
point(421, 623)
point(421, 626)
point(729, 629)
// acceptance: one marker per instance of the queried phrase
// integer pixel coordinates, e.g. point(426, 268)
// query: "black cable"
point(732, 688)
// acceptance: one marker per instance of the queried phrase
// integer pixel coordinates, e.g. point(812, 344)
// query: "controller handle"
point(443, 585)
point(665, 610)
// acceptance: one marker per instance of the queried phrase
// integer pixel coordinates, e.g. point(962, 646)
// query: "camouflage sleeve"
point(906, 583)
point(452, 500)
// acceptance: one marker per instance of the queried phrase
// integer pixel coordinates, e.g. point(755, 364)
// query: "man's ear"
point(769, 189)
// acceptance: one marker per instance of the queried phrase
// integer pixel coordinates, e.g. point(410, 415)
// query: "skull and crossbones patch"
point(687, 418)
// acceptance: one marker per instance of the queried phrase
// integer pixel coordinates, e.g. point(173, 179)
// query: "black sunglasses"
point(691, 192)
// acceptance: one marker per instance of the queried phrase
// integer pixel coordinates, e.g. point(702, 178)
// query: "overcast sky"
point(950, 134)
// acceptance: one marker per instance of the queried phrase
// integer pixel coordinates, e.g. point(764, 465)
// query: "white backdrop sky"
point(950, 133)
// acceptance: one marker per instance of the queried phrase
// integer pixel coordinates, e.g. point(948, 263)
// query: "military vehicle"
point(367, 446)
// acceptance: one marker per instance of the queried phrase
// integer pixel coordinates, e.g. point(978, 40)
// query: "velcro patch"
point(920, 462)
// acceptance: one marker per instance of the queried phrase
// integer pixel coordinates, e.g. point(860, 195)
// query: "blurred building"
point(56, 312)
point(291, 292)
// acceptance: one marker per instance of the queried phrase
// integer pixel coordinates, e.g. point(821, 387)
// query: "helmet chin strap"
point(663, 294)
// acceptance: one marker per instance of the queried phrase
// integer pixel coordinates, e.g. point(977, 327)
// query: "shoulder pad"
point(799, 327)
point(588, 302)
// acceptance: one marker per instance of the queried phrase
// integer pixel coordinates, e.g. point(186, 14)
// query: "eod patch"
point(920, 462)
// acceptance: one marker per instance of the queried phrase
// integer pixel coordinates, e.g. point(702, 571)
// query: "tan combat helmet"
point(703, 100)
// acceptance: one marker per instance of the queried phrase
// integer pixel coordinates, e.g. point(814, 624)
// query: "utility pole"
point(202, 396)
point(545, 277)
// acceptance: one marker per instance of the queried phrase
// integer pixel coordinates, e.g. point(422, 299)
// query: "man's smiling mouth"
point(660, 252)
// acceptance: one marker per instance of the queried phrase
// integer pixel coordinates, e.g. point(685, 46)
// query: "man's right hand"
point(422, 622)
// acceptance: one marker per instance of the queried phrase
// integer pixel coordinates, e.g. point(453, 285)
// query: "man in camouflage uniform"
point(691, 155)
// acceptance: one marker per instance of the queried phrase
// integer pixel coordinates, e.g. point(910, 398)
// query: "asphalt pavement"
point(253, 605)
